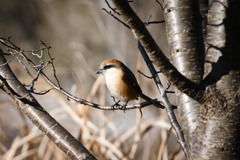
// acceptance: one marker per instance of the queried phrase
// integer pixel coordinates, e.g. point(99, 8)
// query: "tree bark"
point(217, 136)
point(185, 39)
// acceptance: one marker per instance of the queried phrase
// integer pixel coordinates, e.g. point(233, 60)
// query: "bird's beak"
point(99, 71)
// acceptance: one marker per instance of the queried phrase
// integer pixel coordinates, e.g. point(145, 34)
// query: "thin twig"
point(170, 92)
point(51, 62)
point(152, 22)
point(8, 43)
point(149, 77)
point(42, 92)
point(39, 69)
point(113, 9)
point(110, 13)
point(160, 5)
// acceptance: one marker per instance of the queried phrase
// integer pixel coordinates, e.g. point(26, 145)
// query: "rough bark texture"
point(203, 7)
point(212, 128)
point(217, 136)
point(187, 53)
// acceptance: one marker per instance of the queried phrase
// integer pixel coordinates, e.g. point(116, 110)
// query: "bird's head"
point(109, 65)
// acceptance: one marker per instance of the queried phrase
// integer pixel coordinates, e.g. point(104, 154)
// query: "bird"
point(121, 82)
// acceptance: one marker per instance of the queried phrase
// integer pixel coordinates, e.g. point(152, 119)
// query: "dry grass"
point(82, 36)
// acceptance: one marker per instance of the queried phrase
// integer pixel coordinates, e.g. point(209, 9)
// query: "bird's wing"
point(130, 76)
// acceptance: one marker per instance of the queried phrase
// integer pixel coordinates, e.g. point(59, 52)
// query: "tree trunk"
point(212, 128)
point(186, 46)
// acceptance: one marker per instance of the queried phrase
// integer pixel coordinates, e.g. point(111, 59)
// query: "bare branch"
point(164, 99)
point(41, 92)
point(39, 69)
point(160, 4)
point(34, 111)
point(110, 13)
point(113, 9)
point(51, 62)
point(152, 22)
point(149, 77)
point(17, 51)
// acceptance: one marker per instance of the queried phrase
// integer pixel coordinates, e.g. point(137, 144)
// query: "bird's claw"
point(124, 107)
point(116, 104)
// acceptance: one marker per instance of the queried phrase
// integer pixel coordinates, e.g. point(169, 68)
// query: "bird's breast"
point(119, 86)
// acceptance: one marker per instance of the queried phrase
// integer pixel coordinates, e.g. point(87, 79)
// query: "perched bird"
point(121, 82)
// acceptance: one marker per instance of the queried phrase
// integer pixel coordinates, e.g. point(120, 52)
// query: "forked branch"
point(17, 51)
point(34, 111)
point(185, 85)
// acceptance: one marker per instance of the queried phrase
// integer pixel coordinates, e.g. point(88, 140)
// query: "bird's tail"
point(157, 104)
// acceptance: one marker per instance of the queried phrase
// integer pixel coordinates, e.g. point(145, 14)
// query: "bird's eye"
point(108, 66)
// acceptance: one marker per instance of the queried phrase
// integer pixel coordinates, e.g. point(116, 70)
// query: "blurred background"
point(82, 35)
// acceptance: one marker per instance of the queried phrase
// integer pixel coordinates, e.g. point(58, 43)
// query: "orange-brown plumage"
point(120, 85)
point(121, 82)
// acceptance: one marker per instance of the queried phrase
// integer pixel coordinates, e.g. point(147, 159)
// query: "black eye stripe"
point(108, 66)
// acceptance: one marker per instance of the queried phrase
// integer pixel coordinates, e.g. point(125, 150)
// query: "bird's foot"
point(124, 107)
point(116, 104)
